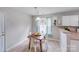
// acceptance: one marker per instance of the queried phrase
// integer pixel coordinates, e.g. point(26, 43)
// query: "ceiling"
point(43, 10)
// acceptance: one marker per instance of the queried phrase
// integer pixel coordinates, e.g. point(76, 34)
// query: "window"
point(49, 29)
point(43, 25)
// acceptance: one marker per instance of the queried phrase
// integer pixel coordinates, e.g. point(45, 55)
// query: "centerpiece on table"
point(36, 34)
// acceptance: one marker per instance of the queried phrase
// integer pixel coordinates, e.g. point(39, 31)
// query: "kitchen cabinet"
point(72, 20)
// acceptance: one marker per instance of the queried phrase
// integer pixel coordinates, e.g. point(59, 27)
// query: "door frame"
point(3, 32)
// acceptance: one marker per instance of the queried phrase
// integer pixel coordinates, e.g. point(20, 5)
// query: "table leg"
point(29, 43)
point(40, 45)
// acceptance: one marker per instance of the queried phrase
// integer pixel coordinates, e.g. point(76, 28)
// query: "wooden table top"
point(38, 37)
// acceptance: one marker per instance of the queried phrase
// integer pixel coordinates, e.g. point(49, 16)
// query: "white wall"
point(17, 25)
point(55, 30)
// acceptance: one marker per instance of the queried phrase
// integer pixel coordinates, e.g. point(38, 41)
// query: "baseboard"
point(14, 46)
point(53, 39)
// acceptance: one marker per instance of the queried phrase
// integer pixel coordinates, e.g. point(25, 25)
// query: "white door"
point(2, 48)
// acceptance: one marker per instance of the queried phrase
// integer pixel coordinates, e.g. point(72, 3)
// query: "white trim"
point(21, 42)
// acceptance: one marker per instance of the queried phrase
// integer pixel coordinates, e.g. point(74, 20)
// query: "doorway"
point(2, 34)
point(44, 25)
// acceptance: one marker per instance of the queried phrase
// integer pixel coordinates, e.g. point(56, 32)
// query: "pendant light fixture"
point(37, 12)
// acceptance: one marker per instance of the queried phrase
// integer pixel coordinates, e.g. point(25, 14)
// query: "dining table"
point(36, 37)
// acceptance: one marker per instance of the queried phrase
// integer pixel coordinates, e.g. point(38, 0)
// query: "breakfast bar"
point(65, 39)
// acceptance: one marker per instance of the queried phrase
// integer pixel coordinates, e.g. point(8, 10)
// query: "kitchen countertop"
point(63, 30)
point(72, 35)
